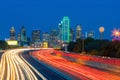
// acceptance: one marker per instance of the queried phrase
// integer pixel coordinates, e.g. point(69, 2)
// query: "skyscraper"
point(35, 35)
point(36, 38)
point(45, 37)
point(78, 32)
point(12, 33)
point(18, 39)
point(53, 38)
point(65, 30)
point(60, 32)
point(71, 34)
point(23, 37)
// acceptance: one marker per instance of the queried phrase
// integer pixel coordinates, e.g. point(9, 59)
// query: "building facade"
point(78, 32)
point(36, 42)
point(54, 38)
point(71, 34)
point(12, 33)
point(23, 37)
point(45, 37)
point(65, 30)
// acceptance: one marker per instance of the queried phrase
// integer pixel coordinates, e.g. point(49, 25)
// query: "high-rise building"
point(45, 37)
point(35, 35)
point(23, 37)
point(18, 38)
point(78, 32)
point(12, 33)
point(53, 38)
point(36, 38)
point(65, 30)
point(71, 34)
point(60, 32)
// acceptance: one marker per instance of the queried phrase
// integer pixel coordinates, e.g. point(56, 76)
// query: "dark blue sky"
point(46, 14)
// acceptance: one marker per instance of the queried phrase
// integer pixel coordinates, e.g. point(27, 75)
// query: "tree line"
point(96, 47)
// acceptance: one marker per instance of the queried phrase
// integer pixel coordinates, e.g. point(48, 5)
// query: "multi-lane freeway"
point(14, 67)
point(17, 64)
point(48, 72)
point(25, 64)
point(80, 71)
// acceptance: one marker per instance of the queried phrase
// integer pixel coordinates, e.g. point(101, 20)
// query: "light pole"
point(82, 43)
point(101, 29)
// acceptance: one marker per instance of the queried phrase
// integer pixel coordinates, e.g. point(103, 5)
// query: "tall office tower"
point(23, 37)
point(36, 39)
point(90, 34)
point(60, 32)
point(71, 34)
point(35, 35)
point(12, 33)
point(45, 37)
point(65, 30)
point(78, 32)
point(18, 38)
point(53, 37)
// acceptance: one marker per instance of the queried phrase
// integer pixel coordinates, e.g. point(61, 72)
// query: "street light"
point(101, 29)
point(116, 34)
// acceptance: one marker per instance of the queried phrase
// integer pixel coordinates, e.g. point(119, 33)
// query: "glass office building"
point(65, 30)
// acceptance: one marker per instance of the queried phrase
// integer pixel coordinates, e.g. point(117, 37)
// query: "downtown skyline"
point(46, 15)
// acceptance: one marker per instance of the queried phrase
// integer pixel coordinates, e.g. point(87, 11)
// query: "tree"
point(3, 44)
point(71, 46)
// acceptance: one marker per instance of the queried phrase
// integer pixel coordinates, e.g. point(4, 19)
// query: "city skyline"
point(84, 33)
point(46, 15)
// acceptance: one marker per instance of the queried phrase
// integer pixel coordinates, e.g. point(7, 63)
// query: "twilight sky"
point(46, 14)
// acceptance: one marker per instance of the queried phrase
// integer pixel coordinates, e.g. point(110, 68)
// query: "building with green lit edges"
point(65, 29)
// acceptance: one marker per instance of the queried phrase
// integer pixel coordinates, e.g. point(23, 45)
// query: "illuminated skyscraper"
point(35, 35)
point(23, 37)
point(18, 38)
point(12, 33)
point(65, 30)
point(53, 37)
point(45, 37)
point(78, 32)
point(36, 38)
point(60, 32)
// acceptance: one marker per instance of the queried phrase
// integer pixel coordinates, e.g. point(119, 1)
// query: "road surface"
point(81, 71)
point(48, 72)
point(21, 64)
point(17, 64)
point(14, 67)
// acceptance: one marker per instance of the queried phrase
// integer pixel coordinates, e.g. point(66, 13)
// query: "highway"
point(44, 69)
point(1, 52)
point(25, 64)
point(14, 67)
point(82, 72)
point(17, 64)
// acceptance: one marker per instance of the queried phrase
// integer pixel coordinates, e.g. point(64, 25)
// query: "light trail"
point(80, 71)
point(14, 67)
